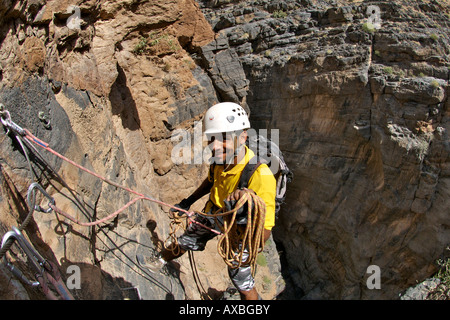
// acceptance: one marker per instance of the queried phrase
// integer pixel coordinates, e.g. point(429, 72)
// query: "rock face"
point(362, 112)
point(107, 84)
point(363, 117)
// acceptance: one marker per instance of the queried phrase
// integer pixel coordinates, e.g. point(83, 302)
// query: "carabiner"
point(17, 236)
point(46, 271)
point(9, 124)
point(31, 203)
point(15, 271)
point(38, 262)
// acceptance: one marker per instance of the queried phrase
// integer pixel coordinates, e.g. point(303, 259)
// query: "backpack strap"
point(247, 173)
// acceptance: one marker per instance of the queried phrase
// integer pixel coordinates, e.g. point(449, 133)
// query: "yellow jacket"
point(262, 182)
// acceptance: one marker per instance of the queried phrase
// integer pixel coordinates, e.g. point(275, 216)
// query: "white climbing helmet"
point(225, 117)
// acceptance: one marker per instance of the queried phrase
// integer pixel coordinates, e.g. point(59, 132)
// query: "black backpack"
point(266, 151)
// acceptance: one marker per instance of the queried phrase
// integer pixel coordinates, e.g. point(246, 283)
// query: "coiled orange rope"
point(236, 239)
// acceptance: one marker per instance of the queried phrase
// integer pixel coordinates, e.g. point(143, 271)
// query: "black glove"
point(184, 205)
point(241, 214)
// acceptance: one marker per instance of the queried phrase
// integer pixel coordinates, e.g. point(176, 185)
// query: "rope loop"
point(238, 245)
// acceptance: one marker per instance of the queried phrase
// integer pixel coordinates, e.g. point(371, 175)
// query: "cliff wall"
point(359, 93)
point(362, 112)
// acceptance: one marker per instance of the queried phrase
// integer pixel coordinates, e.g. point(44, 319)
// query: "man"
point(226, 127)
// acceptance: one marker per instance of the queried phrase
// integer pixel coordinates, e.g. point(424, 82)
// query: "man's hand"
point(230, 203)
point(184, 205)
point(236, 195)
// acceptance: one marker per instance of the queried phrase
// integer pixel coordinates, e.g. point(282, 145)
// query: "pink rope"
point(30, 137)
point(94, 223)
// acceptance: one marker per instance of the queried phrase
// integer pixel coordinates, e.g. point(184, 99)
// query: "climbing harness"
point(45, 270)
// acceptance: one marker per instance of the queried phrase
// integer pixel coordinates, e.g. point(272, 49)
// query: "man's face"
point(223, 145)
